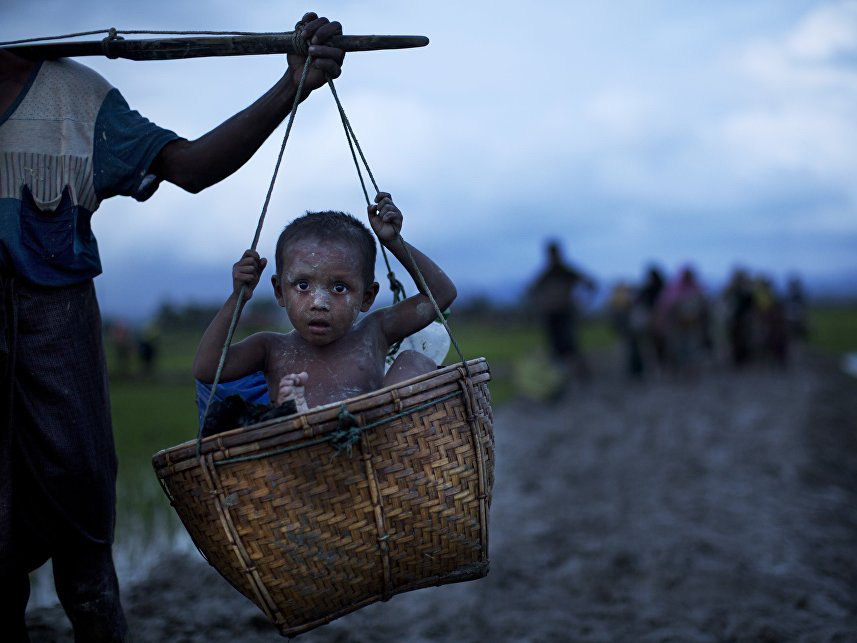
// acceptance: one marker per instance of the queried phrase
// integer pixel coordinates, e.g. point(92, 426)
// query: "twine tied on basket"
point(348, 433)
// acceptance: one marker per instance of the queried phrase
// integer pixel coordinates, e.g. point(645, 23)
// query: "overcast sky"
point(718, 133)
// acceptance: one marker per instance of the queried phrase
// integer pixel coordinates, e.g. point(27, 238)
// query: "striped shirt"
point(67, 142)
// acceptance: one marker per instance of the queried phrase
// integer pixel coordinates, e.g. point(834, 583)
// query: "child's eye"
point(339, 287)
point(302, 284)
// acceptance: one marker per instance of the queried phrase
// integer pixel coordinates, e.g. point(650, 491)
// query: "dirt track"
point(712, 510)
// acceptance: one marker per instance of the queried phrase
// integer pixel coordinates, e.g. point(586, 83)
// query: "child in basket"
point(324, 279)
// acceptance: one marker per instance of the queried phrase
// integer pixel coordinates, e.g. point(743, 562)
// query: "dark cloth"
point(58, 462)
point(87, 587)
point(561, 333)
point(552, 290)
point(69, 141)
point(740, 324)
point(251, 388)
point(552, 296)
point(234, 411)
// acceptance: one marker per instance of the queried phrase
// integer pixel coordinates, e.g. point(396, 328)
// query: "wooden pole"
point(196, 47)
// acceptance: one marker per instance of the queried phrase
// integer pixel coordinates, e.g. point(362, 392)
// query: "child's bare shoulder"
point(371, 322)
point(383, 320)
point(266, 341)
point(272, 338)
point(368, 330)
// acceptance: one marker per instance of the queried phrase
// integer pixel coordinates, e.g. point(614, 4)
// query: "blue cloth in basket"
point(252, 388)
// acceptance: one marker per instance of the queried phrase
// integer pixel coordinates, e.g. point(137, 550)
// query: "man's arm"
point(588, 282)
point(196, 165)
point(417, 312)
point(577, 276)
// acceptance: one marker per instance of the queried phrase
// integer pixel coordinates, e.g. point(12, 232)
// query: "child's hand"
point(385, 218)
point(292, 388)
point(247, 272)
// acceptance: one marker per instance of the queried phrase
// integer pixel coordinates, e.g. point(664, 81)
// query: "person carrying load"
point(68, 140)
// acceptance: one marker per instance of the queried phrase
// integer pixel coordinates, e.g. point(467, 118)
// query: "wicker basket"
point(318, 514)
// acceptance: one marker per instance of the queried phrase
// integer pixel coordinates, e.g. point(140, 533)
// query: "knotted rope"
point(349, 134)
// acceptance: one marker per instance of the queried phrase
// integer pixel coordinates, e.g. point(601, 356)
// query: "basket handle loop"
point(395, 284)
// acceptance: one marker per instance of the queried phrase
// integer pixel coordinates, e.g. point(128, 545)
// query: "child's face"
point(321, 286)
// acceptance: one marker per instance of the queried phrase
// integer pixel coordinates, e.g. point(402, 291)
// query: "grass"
point(505, 345)
point(148, 415)
point(833, 329)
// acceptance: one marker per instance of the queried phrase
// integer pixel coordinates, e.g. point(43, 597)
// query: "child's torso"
point(350, 366)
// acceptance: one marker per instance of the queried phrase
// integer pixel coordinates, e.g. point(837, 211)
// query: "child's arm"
point(417, 312)
point(244, 357)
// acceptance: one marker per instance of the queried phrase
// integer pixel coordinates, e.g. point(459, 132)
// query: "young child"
point(324, 279)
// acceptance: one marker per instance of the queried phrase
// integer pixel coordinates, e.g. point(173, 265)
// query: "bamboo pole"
point(197, 47)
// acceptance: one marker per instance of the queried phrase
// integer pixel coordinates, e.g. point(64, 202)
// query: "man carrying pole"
point(68, 140)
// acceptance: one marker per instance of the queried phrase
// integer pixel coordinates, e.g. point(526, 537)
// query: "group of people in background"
point(126, 342)
point(671, 323)
point(675, 324)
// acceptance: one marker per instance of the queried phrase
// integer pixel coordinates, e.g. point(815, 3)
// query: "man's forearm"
point(196, 165)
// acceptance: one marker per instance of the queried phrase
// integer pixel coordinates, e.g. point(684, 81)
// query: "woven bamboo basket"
point(317, 514)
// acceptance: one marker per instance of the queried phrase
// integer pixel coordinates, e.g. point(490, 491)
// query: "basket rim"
point(303, 423)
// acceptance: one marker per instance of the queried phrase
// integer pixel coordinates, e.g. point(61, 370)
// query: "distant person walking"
point(796, 310)
point(552, 296)
point(626, 321)
point(123, 347)
point(739, 317)
point(684, 308)
point(645, 315)
point(771, 329)
point(147, 349)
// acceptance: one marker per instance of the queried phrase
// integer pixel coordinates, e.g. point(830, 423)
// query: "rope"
point(234, 322)
point(140, 32)
point(349, 134)
point(395, 285)
point(440, 316)
point(348, 433)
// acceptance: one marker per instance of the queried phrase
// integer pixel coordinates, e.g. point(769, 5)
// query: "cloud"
point(825, 35)
point(630, 131)
point(802, 89)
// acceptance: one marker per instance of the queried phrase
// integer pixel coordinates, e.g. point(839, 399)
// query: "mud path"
point(721, 509)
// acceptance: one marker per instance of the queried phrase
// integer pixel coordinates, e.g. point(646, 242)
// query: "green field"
point(833, 329)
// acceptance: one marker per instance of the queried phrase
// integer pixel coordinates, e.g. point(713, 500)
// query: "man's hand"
point(326, 61)
point(385, 218)
point(247, 272)
point(195, 165)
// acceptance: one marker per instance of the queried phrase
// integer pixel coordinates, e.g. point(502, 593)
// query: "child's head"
point(326, 226)
point(325, 274)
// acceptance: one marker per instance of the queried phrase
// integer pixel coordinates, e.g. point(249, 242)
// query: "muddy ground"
point(717, 508)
